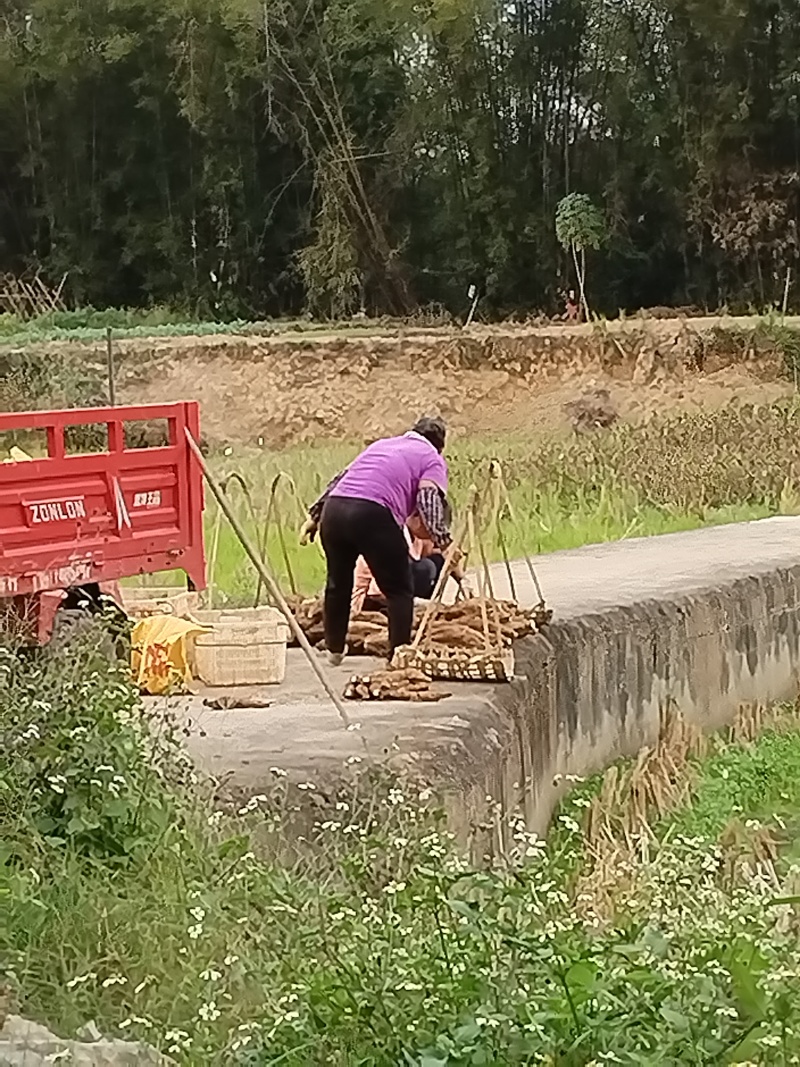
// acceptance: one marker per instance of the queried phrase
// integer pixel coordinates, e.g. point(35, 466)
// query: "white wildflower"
point(394, 887)
point(209, 1012)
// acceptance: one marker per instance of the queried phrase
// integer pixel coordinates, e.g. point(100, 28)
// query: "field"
point(657, 924)
point(673, 473)
point(706, 430)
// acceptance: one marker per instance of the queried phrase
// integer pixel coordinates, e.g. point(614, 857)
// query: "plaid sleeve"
point(315, 511)
point(433, 511)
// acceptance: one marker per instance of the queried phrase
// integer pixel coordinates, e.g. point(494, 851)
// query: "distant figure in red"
point(573, 307)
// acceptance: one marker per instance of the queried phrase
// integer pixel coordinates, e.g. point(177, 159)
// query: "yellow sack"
point(159, 656)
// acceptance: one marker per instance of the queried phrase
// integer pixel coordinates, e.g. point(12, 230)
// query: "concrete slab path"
point(302, 733)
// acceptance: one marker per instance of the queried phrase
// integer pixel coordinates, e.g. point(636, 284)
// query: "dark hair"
point(433, 430)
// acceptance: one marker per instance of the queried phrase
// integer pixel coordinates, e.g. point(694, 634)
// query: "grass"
point(550, 524)
point(128, 895)
point(90, 325)
point(758, 781)
point(128, 899)
point(669, 475)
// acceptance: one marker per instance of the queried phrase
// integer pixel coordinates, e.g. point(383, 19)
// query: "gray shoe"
point(335, 659)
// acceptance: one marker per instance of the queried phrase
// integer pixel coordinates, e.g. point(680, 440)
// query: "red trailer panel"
point(69, 520)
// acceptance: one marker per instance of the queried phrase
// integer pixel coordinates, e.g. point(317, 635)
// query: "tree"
point(252, 157)
point(580, 225)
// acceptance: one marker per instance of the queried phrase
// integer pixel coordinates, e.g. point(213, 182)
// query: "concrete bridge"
point(703, 621)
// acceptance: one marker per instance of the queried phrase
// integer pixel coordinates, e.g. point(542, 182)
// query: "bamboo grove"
point(270, 157)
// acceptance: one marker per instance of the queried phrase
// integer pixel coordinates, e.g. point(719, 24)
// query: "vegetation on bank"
point(91, 325)
point(673, 473)
point(643, 932)
point(638, 934)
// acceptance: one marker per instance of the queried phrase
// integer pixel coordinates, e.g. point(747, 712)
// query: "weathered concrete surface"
point(704, 621)
point(27, 1044)
point(451, 743)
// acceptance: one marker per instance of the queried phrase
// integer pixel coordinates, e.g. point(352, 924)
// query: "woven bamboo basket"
point(243, 647)
point(456, 664)
point(140, 602)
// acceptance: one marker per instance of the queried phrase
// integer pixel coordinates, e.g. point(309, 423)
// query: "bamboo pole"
point(432, 607)
point(267, 579)
point(785, 304)
point(112, 391)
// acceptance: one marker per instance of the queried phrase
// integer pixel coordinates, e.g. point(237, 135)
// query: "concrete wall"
point(703, 621)
point(594, 689)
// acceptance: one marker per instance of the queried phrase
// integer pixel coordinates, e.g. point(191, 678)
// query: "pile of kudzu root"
point(462, 625)
point(410, 685)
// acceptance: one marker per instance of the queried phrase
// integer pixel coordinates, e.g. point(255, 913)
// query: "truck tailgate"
point(69, 519)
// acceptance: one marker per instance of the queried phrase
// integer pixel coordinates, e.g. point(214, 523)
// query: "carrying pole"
point(112, 389)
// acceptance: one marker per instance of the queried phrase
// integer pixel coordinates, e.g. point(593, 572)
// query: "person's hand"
point(308, 531)
point(457, 559)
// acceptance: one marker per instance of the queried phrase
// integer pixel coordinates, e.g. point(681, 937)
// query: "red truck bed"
point(70, 520)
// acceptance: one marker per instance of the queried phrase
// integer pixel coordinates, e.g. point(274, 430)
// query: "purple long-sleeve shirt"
point(390, 472)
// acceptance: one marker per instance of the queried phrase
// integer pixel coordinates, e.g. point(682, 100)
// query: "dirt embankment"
point(290, 389)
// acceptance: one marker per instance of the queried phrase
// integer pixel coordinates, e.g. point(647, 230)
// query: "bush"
point(83, 769)
point(127, 900)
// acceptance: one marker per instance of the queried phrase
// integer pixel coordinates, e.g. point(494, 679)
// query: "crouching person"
point(426, 563)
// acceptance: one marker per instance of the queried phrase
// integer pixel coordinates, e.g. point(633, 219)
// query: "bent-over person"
point(363, 512)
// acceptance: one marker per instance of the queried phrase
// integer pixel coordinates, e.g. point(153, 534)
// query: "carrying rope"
point(233, 477)
point(274, 509)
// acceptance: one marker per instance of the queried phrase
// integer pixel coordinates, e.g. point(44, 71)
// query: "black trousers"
point(425, 574)
point(350, 528)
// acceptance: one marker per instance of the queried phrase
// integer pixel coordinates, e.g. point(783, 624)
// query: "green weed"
point(90, 325)
point(382, 944)
point(672, 474)
point(759, 781)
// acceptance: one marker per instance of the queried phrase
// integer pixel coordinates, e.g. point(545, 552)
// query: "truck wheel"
point(76, 625)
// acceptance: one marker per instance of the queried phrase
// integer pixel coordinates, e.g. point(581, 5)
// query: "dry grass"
point(630, 819)
point(752, 720)
point(618, 827)
point(670, 474)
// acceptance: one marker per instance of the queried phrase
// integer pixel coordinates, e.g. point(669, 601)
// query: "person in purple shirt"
point(362, 513)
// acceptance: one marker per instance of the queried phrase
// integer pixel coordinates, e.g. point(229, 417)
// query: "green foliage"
point(89, 318)
point(32, 379)
point(383, 943)
point(172, 155)
point(759, 782)
point(329, 264)
point(579, 223)
point(787, 341)
point(81, 770)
